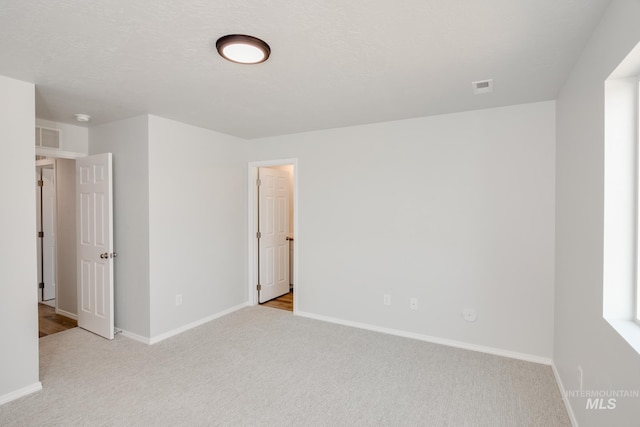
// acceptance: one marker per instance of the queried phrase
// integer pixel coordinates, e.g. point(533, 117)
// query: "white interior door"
point(46, 238)
point(49, 229)
point(94, 215)
point(39, 229)
point(273, 226)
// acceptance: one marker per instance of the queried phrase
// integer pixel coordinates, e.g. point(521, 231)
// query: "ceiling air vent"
point(482, 86)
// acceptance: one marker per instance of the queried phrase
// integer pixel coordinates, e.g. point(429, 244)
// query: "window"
point(621, 252)
point(637, 194)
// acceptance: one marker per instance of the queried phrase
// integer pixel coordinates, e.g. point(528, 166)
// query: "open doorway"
point(84, 241)
point(273, 244)
point(56, 239)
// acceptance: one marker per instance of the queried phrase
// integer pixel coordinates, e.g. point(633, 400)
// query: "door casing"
point(252, 227)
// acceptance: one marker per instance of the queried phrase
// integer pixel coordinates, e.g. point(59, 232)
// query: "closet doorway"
point(272, 229)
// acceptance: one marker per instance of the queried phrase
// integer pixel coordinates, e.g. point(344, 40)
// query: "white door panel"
point(95, 244)
point(46, 224)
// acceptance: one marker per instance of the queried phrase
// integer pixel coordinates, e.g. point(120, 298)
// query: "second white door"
point(94, 213)
point(273, 213)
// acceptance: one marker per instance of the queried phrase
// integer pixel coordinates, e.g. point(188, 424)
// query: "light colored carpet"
point(264, 367)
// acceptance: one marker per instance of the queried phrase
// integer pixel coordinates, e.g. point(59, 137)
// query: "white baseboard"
point(162, 337)
point(434, 340)
point(135, 337)
point(17, 394)
point(195, 324)
point(567, 404)
point(66, 314)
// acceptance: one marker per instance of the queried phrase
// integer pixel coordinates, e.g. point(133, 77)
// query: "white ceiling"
point(333, 63)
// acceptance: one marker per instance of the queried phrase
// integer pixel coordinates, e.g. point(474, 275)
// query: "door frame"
point(53, 154)
point(252, 227)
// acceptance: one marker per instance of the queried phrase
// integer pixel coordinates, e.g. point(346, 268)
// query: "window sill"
point(629, 330)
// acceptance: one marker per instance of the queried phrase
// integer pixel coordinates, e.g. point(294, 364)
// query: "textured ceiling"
point(333, 63)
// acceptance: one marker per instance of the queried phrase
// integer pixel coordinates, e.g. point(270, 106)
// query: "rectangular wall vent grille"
point(46, 137)
point(482, 86)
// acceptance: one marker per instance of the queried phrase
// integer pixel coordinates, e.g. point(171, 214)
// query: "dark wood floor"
point(50, 323)
point(285, 302)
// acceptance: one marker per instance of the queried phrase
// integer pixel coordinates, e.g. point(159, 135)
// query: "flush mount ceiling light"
point(82, 117)
point(243, 49)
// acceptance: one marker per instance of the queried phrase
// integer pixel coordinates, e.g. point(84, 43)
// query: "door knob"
point(104, 255)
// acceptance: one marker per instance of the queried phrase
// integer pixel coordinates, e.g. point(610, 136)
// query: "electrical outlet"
point(179, 299)
point(413, 303)
point(387, 299)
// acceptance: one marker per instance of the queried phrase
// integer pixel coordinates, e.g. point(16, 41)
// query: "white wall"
point(582, 337)
point(197, 223)
point(179, 222)
point(18, 293)
point(456, 210)
point(73, 139)
point(67, 263)
point(128, 141)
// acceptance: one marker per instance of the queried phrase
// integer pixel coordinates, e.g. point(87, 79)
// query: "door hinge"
point(41, 234)
point(258, 235)
point(41, 285)
point(259, 287)
point(258, 182)
point(40, 183)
